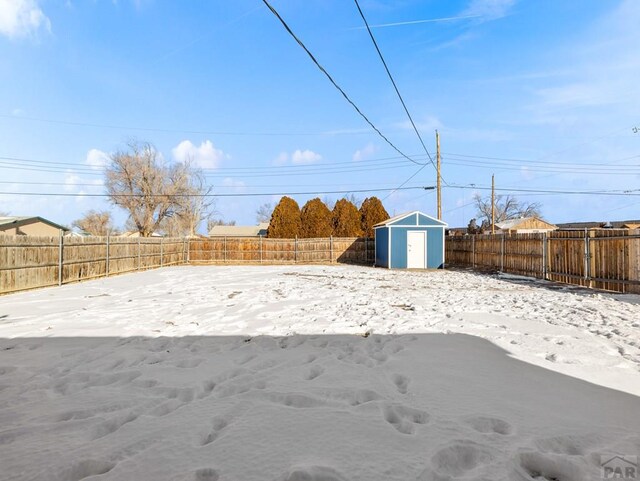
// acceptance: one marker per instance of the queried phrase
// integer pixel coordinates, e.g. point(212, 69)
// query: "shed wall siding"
point(434, 247)
point(427, 221)
point(382, 247)
point(391, 241)
point(410, 220)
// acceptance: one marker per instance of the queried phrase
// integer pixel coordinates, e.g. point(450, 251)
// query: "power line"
point(529, 161)
point(185, 131)
point(400, 187)
point(323, 70)
point(235, 194)
point(622, 193)
point(84, 171)
point(393, 82)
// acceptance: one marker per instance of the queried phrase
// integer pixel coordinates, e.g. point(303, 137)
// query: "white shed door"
point(416, 249)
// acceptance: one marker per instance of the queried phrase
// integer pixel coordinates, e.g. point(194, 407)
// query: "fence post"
point(586, 256)
point(161, 251)
point(60, 242)
point(545, 247)
point(224, 249)
point(139, 253)
point(502, 253)
point(261, 249)
point(185, 251)
point(107, 259)
point(366, 250)
point(295, 250)
point(330, 249)
point(473, 251)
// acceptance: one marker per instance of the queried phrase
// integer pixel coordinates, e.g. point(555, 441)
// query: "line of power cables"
point(615, 193)
point(395, 86)
point(230, 194)
point(404, 105)
point(334, 83)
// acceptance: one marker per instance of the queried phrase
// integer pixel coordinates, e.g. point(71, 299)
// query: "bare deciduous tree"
point(139, 181)
point(506, 207)
point(95, 223)
point(263, 214)
point(211, 223)
point(198, 206)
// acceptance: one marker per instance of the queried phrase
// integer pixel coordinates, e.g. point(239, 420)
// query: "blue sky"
point(542, 93)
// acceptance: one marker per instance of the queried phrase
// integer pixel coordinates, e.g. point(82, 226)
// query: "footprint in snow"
point(401, 382)
point(218, 424)
point(313, 372)
point(404, 418)
point(490, 425)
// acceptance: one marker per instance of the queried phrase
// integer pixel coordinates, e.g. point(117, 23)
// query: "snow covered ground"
point(316, 373)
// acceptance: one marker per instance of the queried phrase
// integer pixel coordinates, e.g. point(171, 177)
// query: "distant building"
point(621, 224)
point(36, 226)
point(456, 231)
point(524, 225)
point(259, 230)
point(132, 233)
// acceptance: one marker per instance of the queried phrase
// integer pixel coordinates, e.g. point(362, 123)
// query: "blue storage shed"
point(410, 241)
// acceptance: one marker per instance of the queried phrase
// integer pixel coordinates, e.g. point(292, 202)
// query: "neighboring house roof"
point(622, 224)
point(239, 230)
point(525, 223)
point(407, 214)
point(132, 233)
point(11, 222)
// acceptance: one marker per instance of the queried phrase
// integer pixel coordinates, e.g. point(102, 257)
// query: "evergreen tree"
point(372, 212)
point(285, 220)
point(315, 219)
point(346, 219)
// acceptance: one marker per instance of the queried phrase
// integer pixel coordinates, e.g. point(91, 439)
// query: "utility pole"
point(493, 203)
point(439, 181)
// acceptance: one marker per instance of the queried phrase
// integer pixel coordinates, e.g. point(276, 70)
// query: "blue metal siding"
point(382, 247)
point(410, 220)
point(434, 254)
point(435, 251)
point(424, 220)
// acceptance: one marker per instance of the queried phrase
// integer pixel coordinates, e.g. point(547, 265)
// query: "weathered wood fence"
point(604, 259)
point(252, 250)
point(28, 262)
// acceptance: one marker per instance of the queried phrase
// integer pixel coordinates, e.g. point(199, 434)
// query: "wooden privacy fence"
point(252, 250)
point(604, 259)
point(28, 262)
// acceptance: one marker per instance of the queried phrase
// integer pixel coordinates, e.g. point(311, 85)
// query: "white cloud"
point(364, 153)
point(298, 157)
point(71, 180)
point(22, 18)
point(281, 159)
point(97, 159)
point(489, 9)
point(206, 156)
point(305, 157)
point(430, 124)
point(235, 185)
